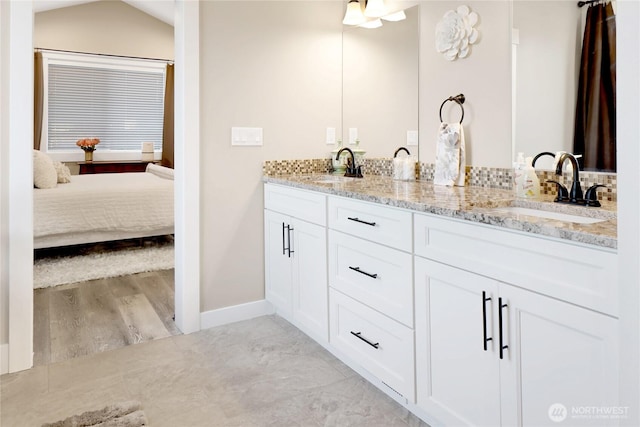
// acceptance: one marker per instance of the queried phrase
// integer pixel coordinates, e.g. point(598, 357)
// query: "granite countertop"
point(477, 204)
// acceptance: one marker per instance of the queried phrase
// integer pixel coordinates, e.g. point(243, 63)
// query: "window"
point(118, 100)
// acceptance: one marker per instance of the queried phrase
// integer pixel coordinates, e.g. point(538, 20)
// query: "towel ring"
point(459, 99)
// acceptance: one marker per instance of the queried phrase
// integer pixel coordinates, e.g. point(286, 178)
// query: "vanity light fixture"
point(375, 9)
point(395, 17)
point(376, 23)
point(354, 15)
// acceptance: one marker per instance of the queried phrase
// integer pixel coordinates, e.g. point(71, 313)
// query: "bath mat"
point(126, 414)
point(53, 267)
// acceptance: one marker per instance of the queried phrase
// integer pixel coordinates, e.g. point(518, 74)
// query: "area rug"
point(90, 262)
point(126, 414)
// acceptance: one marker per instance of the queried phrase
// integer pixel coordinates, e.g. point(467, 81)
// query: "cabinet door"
point(310, 294)
point(560, 358)
point(278, 277)
point(458, 381)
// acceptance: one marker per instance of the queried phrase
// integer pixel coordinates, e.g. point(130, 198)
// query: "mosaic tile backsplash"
point(475, 176)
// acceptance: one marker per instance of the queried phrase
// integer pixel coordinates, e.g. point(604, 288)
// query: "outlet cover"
point(412, 137)
point(331, 136)
point(353, 135)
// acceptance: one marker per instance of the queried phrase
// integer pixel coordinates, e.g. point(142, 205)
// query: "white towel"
point(450, 155)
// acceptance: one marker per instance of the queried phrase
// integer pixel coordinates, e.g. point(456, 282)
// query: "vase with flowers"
point(88, 145)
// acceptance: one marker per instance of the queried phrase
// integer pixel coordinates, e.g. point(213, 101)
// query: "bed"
point(104, 207)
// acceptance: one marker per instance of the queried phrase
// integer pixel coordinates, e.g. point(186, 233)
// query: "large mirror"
point(380, 85)
point(547, 44)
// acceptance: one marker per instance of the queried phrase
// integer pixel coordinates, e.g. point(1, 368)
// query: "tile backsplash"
point(288, 167)
point(475, 176)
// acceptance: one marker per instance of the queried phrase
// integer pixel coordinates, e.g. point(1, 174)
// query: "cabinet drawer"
point(305, 205)
point(376, 275)
point(381, 224)
point(571, 272)
point(378, 344)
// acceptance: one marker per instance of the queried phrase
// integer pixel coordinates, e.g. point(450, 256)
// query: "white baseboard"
point(236, 313)
point(4, 358)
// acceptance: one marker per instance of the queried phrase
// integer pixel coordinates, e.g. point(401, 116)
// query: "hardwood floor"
point(99, 315)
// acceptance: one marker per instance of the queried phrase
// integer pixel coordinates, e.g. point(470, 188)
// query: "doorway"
point(187, 187)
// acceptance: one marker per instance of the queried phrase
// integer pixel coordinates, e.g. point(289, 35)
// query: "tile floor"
point(260, 372)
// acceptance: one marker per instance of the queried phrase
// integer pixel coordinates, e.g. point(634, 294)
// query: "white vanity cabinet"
point(371, 290)
point(296, 257)
point(461, 322)
point(555, 350)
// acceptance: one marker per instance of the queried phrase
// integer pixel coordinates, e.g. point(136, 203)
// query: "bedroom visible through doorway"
point(17, 345)
point(94, 297)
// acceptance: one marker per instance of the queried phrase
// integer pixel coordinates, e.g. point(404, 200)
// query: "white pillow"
point(161, 171)
point(63, 172)
point(44, 173)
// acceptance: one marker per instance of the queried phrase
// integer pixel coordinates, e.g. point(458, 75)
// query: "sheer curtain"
point(167, 131)
point(595, 127)
point(38, 99)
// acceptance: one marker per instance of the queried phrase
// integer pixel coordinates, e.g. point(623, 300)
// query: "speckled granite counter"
point(477, 204)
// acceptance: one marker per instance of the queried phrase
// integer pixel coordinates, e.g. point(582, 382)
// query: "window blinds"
point(120, 106)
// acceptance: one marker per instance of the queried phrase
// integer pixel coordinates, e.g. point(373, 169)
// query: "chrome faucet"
point(575, 195)
point(352, 170)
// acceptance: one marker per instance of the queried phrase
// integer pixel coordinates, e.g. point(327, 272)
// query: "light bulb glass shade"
point(375, 9)
point(354, 15)
point(376, 23)
point(396, 16)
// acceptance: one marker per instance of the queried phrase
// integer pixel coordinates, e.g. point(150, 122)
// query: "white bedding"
point(120, 204)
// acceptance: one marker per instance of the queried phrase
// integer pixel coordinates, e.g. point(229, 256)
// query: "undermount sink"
point(331, 179)
point(558, 216)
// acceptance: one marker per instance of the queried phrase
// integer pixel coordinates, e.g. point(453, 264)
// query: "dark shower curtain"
point(595, 127)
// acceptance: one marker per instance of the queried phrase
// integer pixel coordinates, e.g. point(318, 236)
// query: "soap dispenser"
point(531, 182)
point(404, 169)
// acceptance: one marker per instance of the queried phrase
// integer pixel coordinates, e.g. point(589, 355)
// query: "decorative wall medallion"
point(455, 33)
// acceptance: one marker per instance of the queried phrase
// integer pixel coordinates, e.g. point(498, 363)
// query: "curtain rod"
point(170, 61)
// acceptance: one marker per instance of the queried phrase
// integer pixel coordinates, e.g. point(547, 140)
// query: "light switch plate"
point(246, 136)
point(331, 136)
point(412, 137)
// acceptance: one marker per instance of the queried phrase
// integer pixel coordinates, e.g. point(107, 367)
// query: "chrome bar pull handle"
point(358, 334)
point(289, 230)
point(373, 224)
point(373, 276)
point(500, 324)
point(284, 248)
point(485, 339)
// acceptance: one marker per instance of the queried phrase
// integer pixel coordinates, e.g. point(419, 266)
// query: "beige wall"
point(274, 65)
point(108, 26)
point(484, 78)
